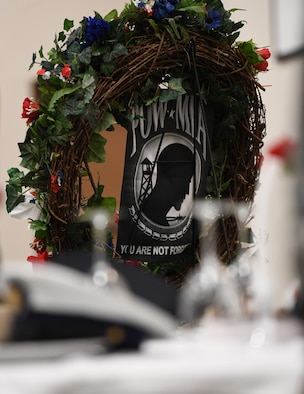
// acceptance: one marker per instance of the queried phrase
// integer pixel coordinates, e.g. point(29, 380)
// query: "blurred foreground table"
point(217, 356)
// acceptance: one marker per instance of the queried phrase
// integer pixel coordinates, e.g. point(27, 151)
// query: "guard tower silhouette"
point(146, 180)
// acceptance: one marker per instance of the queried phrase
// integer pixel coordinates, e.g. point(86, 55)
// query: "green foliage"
point(96, 152)
point(249, 50)
point(98, 201)
point(175, 89)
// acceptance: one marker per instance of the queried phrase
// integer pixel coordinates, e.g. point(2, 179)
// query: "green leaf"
point(248, 49)
point(98, 201)
point(175, 89)
point(41, 233)
point(111, 15)
point(89, 78)
point(96, 150)
point(34, 56)
point(89, 82)
point(194, 8)
point(85, 56)
point(155, 27)
point(38, 225)
point(74, 105)
point(68, 24)
point(225, 185)
point(91, 114)
point(55, 56)
point(107, 68)
point(174, 27)
point(107, 121)
point(118, 50)
point(29, 155)
point(60, 93)
point(61, 36)
point(236, 9)
point(15, 176)
point(14, 197)
point(41, 52)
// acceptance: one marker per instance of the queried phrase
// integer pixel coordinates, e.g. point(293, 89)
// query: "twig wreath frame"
point(95, 74)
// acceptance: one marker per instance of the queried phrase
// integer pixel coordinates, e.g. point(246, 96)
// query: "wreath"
point(96, 73)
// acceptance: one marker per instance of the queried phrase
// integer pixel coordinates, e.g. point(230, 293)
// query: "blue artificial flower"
point(162, 8)
point(95, 29)
point(213, 19)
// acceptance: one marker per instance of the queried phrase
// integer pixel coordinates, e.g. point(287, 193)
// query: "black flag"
point(165, 169)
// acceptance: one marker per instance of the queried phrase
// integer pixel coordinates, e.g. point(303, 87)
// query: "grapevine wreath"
point(94, 75)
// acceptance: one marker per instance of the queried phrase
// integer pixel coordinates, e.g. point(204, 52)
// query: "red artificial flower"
point(284, 149)
point(54, 184)
point(66, 71)
point(41, 71)
point(39, 245)
point(30, 110)
point(116, 217)
point(265, 54)
point(133, 262)
point(41, 257)
point(150, 13)
point(261, 66)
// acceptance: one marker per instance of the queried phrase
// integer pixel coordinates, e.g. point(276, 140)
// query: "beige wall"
point(283, 101)
point(25, 25)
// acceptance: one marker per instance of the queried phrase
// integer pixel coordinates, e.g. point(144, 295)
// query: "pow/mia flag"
point(165, 169)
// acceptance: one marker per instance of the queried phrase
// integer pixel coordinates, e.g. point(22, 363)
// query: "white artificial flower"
point(147, 5)
point(29, 209)
point(46, 75)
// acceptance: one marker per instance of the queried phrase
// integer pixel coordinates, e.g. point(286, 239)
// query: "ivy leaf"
point(85, 56)
point(41, 233)
point(38, 225)
point(55, 56)
point(30, 154)
point(14, 197)
point(107, 68)
point(68, 24)
point(248, 49)
point(175, 89)
point(96, 149)
point(107, 121)
point(118, 50)
point(61, 36)
point(74, 105)
point(89, 78)
point(89, 84)
point(91, 114)
point(15, 176)
point(36, 180)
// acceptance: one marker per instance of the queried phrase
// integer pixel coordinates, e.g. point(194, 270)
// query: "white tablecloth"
point(215, 358)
